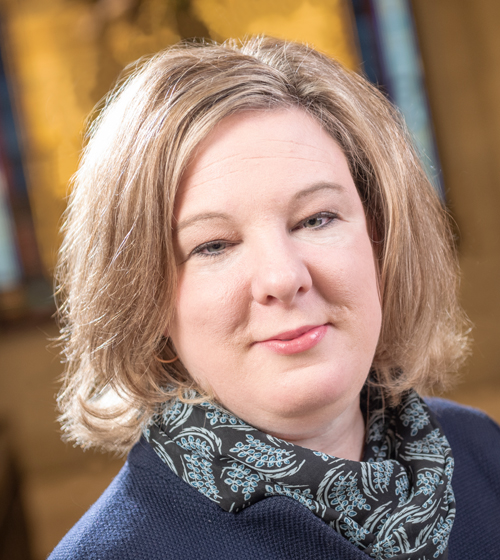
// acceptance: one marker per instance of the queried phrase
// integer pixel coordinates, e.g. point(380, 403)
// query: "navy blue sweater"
point(148, 513)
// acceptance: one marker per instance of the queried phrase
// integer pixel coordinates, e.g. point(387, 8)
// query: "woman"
point(257, 276)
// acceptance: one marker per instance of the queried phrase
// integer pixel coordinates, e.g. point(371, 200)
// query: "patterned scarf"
point(397, 503)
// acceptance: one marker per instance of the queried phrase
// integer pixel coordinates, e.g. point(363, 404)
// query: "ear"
point(171, 360)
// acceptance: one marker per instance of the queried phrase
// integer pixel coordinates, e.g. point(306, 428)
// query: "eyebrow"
point(318, 187)
point(204, 216)
point(200, 218)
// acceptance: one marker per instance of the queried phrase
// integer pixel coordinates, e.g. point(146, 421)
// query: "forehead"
point(287, 132)
point(259, 157)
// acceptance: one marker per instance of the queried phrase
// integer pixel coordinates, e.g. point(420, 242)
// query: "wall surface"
point(64, 57)
point(460, 47)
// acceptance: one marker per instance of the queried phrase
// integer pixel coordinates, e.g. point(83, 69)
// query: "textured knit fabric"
point(148, 513)
point(395, 504)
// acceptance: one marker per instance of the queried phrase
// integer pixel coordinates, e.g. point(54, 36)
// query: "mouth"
point(297, 340)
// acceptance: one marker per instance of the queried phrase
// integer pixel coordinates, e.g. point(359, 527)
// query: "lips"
point(297, 340)
point(290, 335)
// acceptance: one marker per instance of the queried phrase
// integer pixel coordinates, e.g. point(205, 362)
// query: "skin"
point(271, 236)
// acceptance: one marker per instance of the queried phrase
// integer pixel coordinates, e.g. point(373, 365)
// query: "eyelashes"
point(211, 248)
point(218, 247)
point(312, 222)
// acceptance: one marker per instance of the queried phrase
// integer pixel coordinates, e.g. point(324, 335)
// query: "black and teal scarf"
point(397, 503)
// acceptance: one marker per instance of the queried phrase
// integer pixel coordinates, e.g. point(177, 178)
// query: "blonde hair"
point(117, 274)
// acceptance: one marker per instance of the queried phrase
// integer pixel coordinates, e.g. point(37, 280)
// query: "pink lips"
point(299, 340)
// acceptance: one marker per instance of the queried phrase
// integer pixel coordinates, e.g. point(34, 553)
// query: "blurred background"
point(438, 61)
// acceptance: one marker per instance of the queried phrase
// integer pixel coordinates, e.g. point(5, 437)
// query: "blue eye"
point(318, 220)
point(211, 249)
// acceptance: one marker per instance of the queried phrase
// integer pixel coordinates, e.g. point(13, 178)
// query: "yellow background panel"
point(64, 57)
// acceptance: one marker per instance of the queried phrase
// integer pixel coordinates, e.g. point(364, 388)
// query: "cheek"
point(348, 280)
point(206, 312)
point(349, 272)
point(366, 295)
point(208, 307)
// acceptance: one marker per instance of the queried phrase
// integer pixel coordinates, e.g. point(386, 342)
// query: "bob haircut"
point(117, 271)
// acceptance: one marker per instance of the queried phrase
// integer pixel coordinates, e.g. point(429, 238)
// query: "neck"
point(342, 437)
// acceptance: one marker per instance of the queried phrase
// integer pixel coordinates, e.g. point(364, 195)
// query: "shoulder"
point(118, 525)
point(447, 408)
point(150, 512)
point(465, 426)
point(475, 443)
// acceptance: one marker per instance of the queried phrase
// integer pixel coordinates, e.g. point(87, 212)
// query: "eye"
point(318, 221)
point(211, 249)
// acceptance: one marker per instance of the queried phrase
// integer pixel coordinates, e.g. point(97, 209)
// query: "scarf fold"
point(396, 503)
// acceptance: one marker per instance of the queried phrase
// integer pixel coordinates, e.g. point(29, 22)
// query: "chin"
point(316, 399)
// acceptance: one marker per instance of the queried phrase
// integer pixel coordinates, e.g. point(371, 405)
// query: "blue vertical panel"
point(11, 150)
point(368, 44)
point(403, 74)
point(10, 271)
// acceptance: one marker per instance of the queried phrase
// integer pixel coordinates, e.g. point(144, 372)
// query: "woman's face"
point(278, 310)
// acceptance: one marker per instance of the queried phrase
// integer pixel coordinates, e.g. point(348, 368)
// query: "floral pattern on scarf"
point(396, 503)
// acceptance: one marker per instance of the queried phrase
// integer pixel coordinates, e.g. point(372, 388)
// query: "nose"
point(280, 273)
